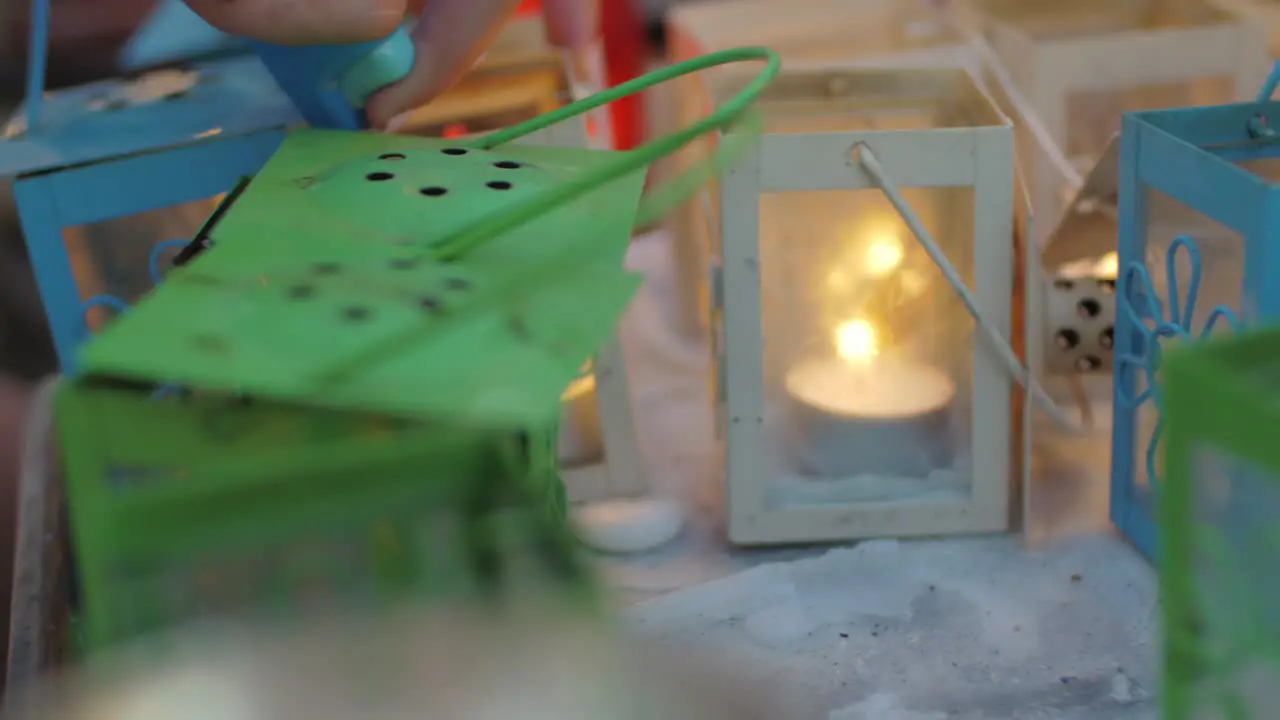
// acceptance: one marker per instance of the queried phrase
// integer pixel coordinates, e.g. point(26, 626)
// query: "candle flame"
point(883, 255)
point(856, 341)
point(1107, 267)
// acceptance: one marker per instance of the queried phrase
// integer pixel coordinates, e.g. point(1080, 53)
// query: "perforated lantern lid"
point(324, 286)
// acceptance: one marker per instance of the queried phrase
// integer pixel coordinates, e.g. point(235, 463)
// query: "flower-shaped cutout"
point(1144, 312)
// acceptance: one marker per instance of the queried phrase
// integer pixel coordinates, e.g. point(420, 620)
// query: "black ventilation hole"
point(356, 313)
point(391, 156)
point(1107, 286)
point(498, 185)
point(1063, 284)
point(430, 304)
point(1108, 338)
point(301, 292)
point(210, 344)
point(519, 329)
point(378, 176)
point(1088, 363)
point(403, 264)
point(457, 283)
point(326, 268)
point(1066, 338)
point(507, 164)
point(432, 191)
point(1088, 308)
point(454, 151)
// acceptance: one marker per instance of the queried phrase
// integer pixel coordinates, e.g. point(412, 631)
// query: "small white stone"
point(628, 526)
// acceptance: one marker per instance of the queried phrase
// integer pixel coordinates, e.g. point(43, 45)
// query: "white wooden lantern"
point(1263, 13)
point(856, 398)
point(523, 77)
point(805, 33)
point(599, 455)
point(1081, 65)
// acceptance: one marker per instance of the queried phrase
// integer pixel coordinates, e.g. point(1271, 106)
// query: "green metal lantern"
point(348, 391)
point(1220, 519)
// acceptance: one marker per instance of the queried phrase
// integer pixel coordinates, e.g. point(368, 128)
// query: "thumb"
point(303, 22)
point(450, 36)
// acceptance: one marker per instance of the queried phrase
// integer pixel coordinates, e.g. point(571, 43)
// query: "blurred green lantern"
point(1220, 523)
point(348, 391)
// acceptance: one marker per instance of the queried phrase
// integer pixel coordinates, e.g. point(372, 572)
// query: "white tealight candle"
point(579, 442)
point(870, 416)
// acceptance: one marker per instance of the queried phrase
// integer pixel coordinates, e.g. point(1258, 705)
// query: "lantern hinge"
point(715, 287)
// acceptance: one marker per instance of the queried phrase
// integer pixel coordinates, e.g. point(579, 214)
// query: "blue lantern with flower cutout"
point(1198, 211)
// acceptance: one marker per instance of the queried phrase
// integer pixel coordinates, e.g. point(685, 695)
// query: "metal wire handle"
point(867, 159)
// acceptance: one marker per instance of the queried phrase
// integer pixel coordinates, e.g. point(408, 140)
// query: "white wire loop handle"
point(867, 159)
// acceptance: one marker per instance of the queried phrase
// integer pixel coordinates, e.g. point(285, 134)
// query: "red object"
point(624, 52)
point(624, 60)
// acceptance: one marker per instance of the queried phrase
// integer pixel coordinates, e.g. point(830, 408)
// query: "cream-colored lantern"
point(599, 456)
point(805, 33)
point(1081, 65)
point(522, 77)
point(857, 396)
point(1263, 13)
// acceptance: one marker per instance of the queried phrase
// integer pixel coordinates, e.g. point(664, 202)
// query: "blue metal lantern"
point(1199, 206)
point(123, 147)
point(118, 148)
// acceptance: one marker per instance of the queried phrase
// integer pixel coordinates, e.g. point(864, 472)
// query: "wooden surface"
point(41, 586)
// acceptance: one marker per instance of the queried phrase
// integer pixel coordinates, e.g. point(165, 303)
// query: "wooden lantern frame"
point(1160, 42)
point(521, 77)
point(980, 157)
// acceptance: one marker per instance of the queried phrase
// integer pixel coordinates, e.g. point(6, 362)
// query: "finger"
point(450, 37)
point(303, 22)
point(572, 24)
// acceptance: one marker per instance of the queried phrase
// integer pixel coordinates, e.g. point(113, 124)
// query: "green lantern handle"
point(724, 116)
point(733, 113)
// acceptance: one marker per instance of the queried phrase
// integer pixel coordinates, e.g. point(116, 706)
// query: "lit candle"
point(859, 413)
point(579, 442)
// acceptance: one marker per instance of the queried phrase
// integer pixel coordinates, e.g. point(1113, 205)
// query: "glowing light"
point(1108, 266)
point(856, 341)
point(914, 284)
point(883, 255)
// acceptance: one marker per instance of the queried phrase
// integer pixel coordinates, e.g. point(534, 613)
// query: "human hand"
point(450, 36)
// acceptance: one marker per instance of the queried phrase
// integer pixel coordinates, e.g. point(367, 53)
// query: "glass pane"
point(868, 356)
point(114, 257)
point(1221, 252)
point(1237, 545)
point(580, 442)
point(1093, 116)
